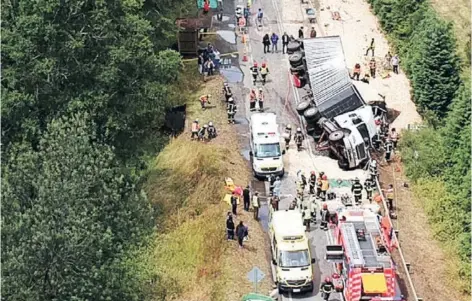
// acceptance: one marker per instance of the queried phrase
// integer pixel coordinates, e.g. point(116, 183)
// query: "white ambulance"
point(266, 151)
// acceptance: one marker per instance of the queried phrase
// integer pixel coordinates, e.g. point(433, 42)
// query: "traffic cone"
point(243, 39)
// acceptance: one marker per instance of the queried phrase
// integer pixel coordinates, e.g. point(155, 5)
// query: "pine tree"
point(434, 66)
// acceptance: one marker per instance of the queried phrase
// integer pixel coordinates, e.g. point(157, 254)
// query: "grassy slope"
point(186, 184)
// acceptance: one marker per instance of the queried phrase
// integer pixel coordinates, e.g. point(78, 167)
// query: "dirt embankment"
point(186, 185)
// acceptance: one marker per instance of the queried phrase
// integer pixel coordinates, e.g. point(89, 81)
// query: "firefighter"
point(312, 182)
point(302, 179)
point(204, 99)
point(372, 66)
point(319, 183)
point(288, 136)
point(252, 100)
point(327, 287)
point(388, 150)
point(356, 190)
point(394, 137)
point(324, 213)
point(300, 189)
point(324, 186)
point(256, 204)
point(298, 138)
point(292, 205)
point(306, 214)
point(389, 194)
point(271, 180)
point(314, 210)
point(231, 109)
point(202, 132)
point(234, 203)
point(260, 100)
point(227, 91)
point(373, 170)
point(369, 187)
point(211, 131)
point(254, 72)
point(357, 71)
point(264, 70)
point(195, 129)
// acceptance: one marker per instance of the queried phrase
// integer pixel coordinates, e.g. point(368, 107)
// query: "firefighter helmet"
point(313, 172)
point(210, 123)
point(374, 163)
point(325, 206)
point(205, 125)
point(289, 126)
point(196, 120)
point(208, 95)
point(263, 65)
point(327, 279)
point(260, 89)
point(278, 178)
point(255, 64)
point(231, 99)
point(324, 177)
point(225, 84)
point(356, 180)
point(321, 173)
point(299, 129)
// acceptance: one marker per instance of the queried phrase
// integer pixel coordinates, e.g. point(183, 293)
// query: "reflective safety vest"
point(261, 97)
point(324, 185)
point(252, 96)
point(312, 179)
point(254, 71)
point(388, 147)
point(368, 186)
point(389, 194)
point(319, 183)
point(231, 108)
point(264, 70)
point(255, 201)
point(306, 214)
point(357, 189)
point(195, 127)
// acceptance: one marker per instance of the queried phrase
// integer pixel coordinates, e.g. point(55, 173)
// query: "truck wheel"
point(312, 114)
point(295, 59)
point(300, 70)
point(336, 136)
point(310, 129)
point(279, 287)
point(302, 106)
point(343, 165)
point(293, 46)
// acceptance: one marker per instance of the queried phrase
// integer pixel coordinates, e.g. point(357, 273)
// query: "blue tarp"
point(213, 3)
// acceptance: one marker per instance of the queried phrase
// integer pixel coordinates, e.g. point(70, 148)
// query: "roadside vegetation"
point(437, 157)
point(88, 211)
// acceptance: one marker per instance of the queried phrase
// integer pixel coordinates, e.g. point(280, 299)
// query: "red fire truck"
point(361, 251)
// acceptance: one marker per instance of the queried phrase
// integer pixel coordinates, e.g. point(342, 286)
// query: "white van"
point(266, 151)
point(290, 252)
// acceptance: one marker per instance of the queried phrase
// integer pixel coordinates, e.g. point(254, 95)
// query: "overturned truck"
point(336, 113)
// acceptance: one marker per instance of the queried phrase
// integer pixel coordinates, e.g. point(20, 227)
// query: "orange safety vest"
point(203, 98)
point(252, 96)
point(389, 194)
point(195, 127)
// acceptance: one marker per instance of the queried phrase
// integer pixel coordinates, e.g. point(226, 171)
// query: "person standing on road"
point(319, 183)
point(252, 100)
point(324, 186)
point(356, 190)
point(369, 187)
point(327, 287)
point(313, 32)
point(324, 213)
point(275, 203)
point(285, 40)
point(260, 15)
point(261, 100)
point(371, 47)
point(306, 218)
point(388, 150)
point(234, 203)
point(395, 61)
point(394, 137)
point(240, 233)
point(277, 185)
point(230, 227)
point(231, 110)
point(300, 33)
point(266, 43)
point(288, 136)
point(264, 70)
point(274, 39)
point(372, 66)
point(312, 182)
point(195, 129)
point(246, 197)
point(255, 72)
point(255, 205)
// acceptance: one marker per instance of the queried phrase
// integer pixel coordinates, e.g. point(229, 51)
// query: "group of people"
point(241, 231)
point(205, 132)
point(301, 34)
point(392, 61)
point(206, 60)
point(263, 71)
point(256, 98)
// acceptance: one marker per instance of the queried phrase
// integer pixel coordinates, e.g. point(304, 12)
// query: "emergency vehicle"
point(291, 254)
point(266, 152)
point(362, 256)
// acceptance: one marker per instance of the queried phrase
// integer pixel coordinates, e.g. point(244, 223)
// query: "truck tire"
point(312, 114)
point(336, 136)
point(310, 129)
point(293, 46)
point(296, 59)
point(302, 106)
point(343, 164)
point(300, 70)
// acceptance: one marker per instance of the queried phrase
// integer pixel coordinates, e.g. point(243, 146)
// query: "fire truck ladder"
point(353, 248)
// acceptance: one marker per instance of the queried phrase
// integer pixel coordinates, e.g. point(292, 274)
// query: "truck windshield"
point(294, 259)
point(268, 150)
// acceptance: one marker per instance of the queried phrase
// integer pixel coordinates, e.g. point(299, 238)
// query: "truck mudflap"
point(334, 253)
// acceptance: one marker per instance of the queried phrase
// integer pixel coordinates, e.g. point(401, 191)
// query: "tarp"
point(374, 283)
point(213, 3)
point(333, 91)
point(256, 297)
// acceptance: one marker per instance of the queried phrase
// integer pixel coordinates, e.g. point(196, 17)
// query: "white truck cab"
point(290, 252)
point(266, 151)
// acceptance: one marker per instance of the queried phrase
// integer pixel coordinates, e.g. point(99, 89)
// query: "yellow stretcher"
point(229, 185)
